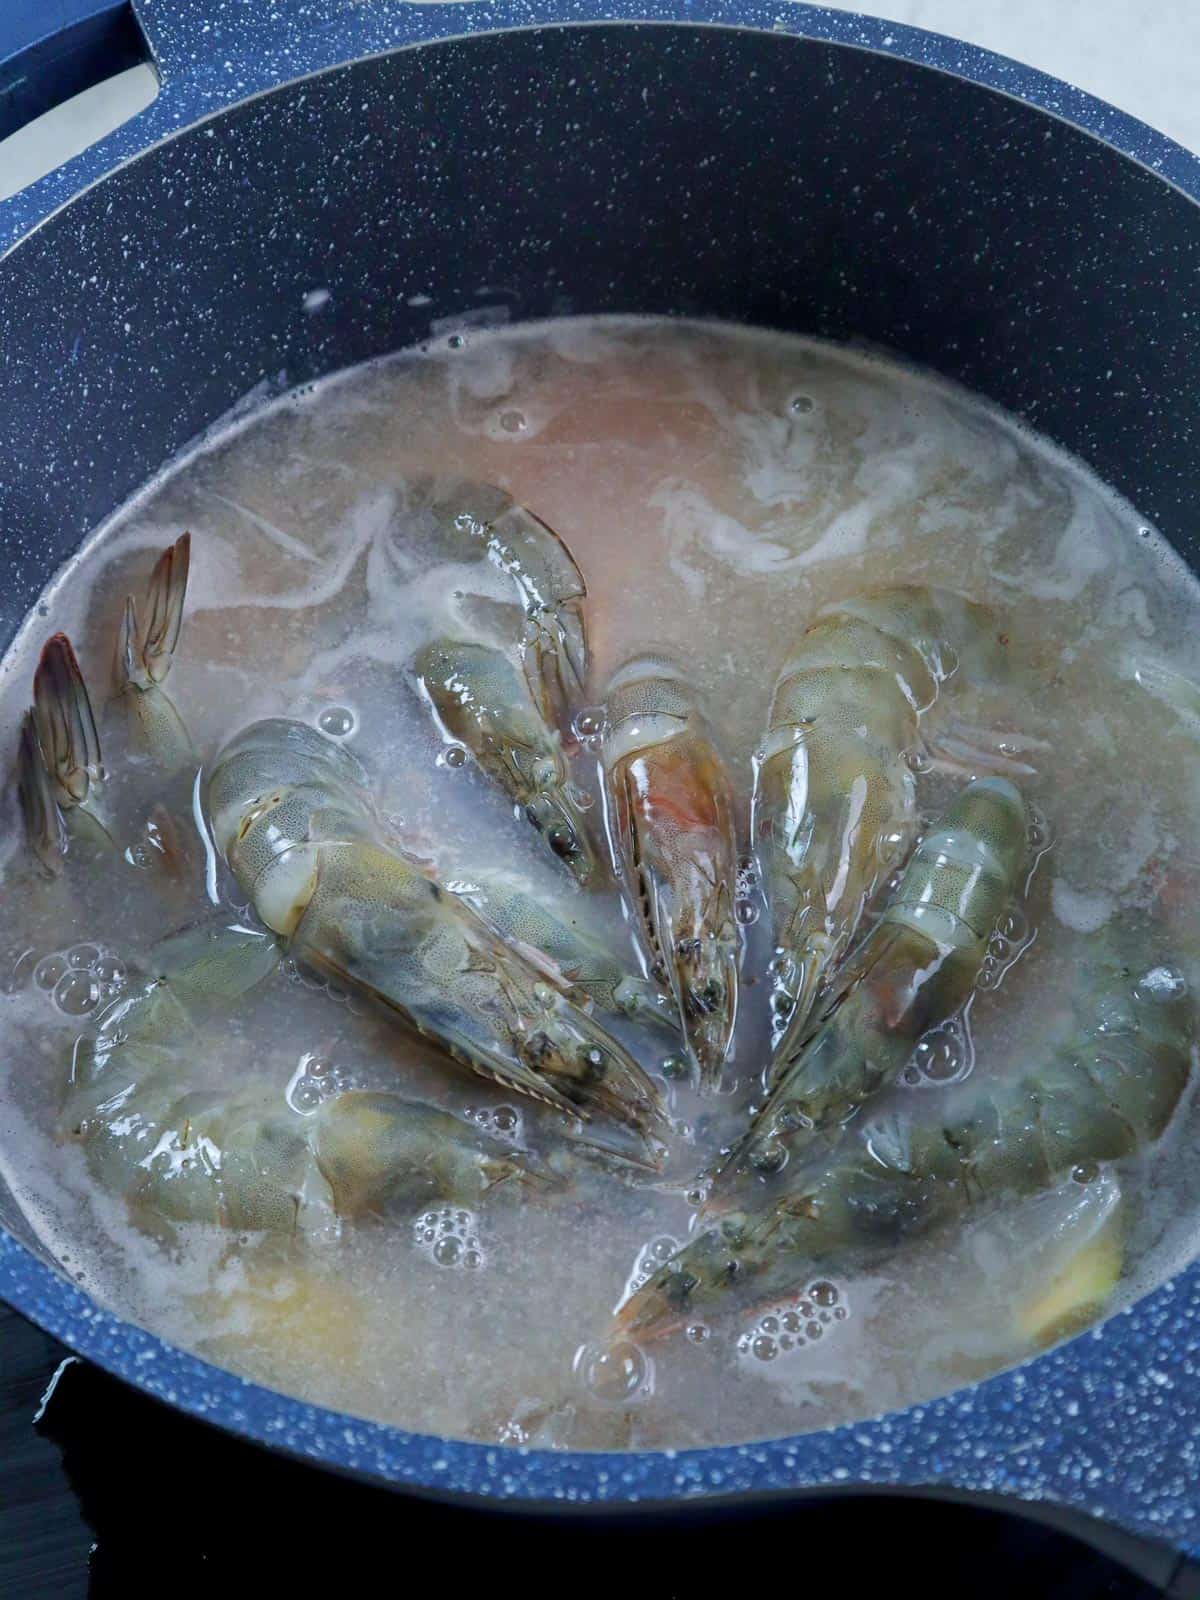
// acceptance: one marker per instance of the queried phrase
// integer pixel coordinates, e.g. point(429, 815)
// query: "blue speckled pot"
point(762, 162)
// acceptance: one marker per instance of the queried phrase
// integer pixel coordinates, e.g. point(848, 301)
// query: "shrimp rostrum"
point(1106, 1092)
point(290, 813)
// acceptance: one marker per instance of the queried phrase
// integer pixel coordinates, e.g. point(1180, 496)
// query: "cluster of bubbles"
point(501, 1122)
point(588, 726)
point(1037, 835)
point(337, 722)
point(746, 899)
point(315, 1080)
point(619, 1374)
point(79, 979)
point(1009, 942)
point(653, 1255)
point(447, 1236)
point(801, 1322)
point(306, 979)
point(945, 1054)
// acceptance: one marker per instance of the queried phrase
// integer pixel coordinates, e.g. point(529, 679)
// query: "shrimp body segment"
point(915, 968)
point(670, 813)
point(834, 806)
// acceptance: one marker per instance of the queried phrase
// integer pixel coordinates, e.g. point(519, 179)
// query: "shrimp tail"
point(43, 820)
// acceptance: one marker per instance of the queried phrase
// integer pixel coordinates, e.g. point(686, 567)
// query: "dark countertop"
point(104, 1492)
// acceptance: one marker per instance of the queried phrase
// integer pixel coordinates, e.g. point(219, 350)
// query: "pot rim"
point(1101, 1422)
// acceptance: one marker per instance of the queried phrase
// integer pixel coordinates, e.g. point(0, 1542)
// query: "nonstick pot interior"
point(713, 171)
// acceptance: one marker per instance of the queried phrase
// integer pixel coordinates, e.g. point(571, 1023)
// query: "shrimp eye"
point(561, 840)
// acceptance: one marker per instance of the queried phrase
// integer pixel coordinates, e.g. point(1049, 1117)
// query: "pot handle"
point(206, 57)
point(48, 53)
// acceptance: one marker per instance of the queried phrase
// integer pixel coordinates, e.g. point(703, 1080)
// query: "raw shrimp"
point(145, 651)
point(670, 812)
point(290, 813)
point(915, 967)
point(1105, 1093)
point(179, 1153)
point(833, 808)
point(460, 521)
point(481, 699)
point(536, 928)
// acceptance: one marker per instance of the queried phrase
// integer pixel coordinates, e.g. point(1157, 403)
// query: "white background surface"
point(1142, 55)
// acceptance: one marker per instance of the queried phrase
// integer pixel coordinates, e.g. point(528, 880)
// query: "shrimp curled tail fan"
point(290, 813)
point(1102, 1095)
point(145, 650)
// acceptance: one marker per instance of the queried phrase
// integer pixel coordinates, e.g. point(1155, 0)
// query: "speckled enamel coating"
point(936, 199)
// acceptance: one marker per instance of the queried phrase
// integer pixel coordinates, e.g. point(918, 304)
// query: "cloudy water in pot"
point(586, 937)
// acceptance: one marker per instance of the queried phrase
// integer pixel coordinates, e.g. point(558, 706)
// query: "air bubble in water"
point(1161, 984)
point(456, 341)
point(49, 970)
point(1038, 832)
point(108, 969)
point(1013, 926)
point(619, 1375)
point(83, 957)
point(746, 912)
point(673, 1068)
point(825, 1293)
point(454, 755)
point(447, 1251)
point(698, 1333)
point(76, 993)
point(513, 421)
point(338, 722)
point(800, 405)
point(946, 1053)
point(589, 723)
point(506, 1119)
point(917, 759)
point(763, 1348)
